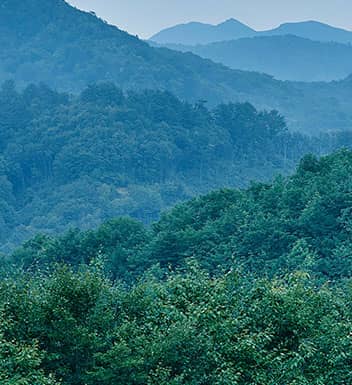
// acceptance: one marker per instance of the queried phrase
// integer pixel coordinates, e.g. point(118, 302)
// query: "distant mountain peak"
point(199, 33)
point(304, 22)
point(234, 23)
point(232, 29)
point(311, 23)
point(313, 30)
point(231, 20)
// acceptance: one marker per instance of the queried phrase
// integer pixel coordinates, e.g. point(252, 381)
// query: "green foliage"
point(166, 304)
point(117, 242)
point(75, 161)
point(299, 222)
point(283, 317)
point(20, 363)
point(187, 329)
point(69, 314)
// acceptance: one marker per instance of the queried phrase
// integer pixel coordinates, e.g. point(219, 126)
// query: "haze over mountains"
point(100, 133)
point(286, 57)
point(306, 51)
point(54, 43)
point(232, 29)
point(199, 33)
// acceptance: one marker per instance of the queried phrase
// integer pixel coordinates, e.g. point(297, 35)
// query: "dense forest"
point(166, 220)
point(302, 221)
point(49, 41)
point(79, 160)
point(236, 287)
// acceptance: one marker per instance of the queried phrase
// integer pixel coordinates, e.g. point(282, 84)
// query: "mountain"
point(199, 33)
point(285, 57)
point(239, 286)
point(312, 30)
point(51, 42)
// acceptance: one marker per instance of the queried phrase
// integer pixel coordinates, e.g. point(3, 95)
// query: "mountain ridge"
point(285, 57)
point(313, 30)
point(71, 49)
point(202, 33)
point(310, 29)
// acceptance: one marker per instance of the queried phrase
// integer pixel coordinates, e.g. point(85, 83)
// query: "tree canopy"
point(75, 161)
point(298, 222)
point(189, 329)
point(242, 287)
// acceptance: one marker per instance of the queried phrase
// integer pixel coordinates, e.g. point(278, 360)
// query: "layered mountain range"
point(307, 51)
point(51, 42)
point(199, 33)
point(286, 57)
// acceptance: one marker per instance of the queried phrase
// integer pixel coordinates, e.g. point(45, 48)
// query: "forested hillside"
point(224, 324)
point(49, 41)
point(78, 160)
point(298, 222)
point(68, 49)
point(284, 57)
point(164, 220)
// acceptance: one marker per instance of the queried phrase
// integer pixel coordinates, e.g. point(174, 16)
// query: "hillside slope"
point(302, 222)
point(285, 57)
point(75, 161)
point(51, 42)
point(78, 160)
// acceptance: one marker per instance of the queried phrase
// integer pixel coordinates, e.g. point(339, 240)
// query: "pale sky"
point(146, 17)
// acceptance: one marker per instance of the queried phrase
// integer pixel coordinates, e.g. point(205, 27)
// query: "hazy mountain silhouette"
point(200, 33)
point(312, 30)
point(285, 57)
point(197, 33)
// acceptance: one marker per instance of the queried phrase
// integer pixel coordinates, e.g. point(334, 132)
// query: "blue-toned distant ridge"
point(198, 33)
